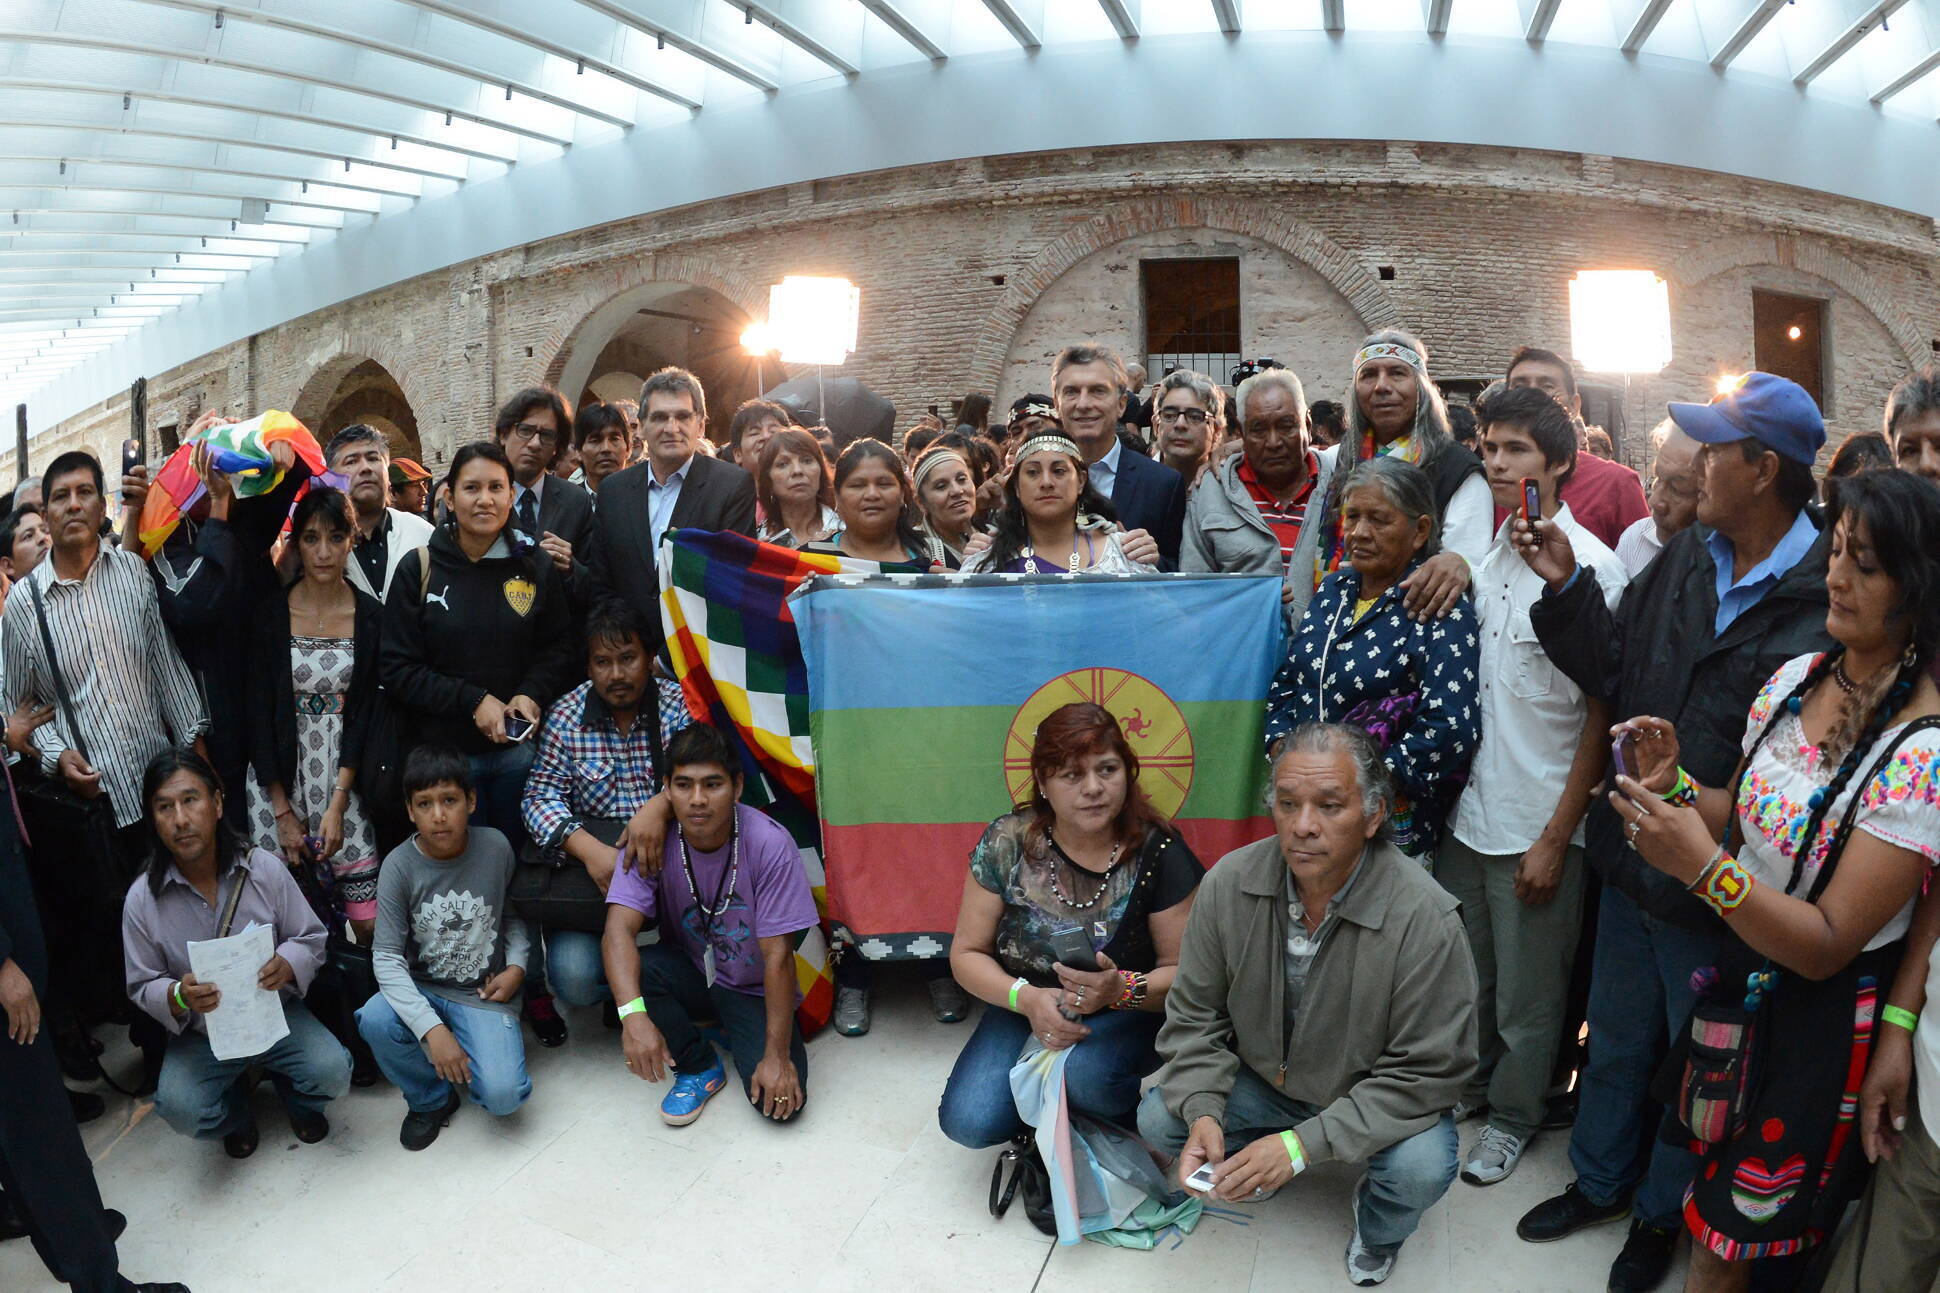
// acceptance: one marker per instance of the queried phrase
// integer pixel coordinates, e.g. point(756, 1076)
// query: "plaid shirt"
point(587, 769)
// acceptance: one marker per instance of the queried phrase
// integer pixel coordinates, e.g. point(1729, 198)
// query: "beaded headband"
point(1388, 350)
point(1039, 443)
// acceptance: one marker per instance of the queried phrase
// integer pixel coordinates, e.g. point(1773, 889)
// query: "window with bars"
point(1788, 338)
point(1191, 316)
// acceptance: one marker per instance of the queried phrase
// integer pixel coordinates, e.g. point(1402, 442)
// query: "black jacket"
point(20, 935)
point(566, 509)
point(1660, 655)
point(272, 693)
point(715, 496)
point(498, 626)
point(1150, 496)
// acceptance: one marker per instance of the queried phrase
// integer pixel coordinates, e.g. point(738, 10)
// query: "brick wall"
point(972, 271)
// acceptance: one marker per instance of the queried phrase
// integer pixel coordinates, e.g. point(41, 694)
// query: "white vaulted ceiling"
point(175, 174)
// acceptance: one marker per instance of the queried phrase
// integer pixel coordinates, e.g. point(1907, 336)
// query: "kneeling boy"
point(449, 957)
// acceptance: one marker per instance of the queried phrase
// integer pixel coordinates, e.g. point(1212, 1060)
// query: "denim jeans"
point(676, 994)
point(1402, 1182)
point(1100, 1079)
point(499, 780)
point(1640, 996)
point(202, 1096)
point(574, 968)
point(492, 1042)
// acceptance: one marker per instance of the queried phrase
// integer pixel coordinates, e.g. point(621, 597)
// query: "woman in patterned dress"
point(1814, 860)
point(314, 688)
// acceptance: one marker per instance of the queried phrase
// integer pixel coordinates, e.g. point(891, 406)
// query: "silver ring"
point(1260, 1193)
point(1635, 826)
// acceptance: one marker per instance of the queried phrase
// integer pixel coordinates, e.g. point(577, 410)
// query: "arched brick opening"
point(1325, 257)
point(361, 382)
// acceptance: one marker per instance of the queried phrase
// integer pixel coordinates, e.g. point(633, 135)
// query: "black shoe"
point(1559, 1112)
point(114, 1222)
point(309, 1125)
point(160, 1288)
point(610, 1017)
point(242, 1142)
point(87, 1105)
point(363, 1071)
point(547, 1023)
point(420, 1129)
point(12, 1224)
point(1564, 1215)
point(1645, 1259)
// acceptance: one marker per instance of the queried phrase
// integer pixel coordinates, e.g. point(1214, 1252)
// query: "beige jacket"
point(1386, 1033)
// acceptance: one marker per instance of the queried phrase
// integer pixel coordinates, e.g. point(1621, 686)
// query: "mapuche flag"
point(924, 696)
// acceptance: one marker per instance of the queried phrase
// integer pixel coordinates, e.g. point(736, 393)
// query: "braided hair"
point(1901, 513)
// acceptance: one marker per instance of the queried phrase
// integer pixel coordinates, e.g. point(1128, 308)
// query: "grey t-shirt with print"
point(443, 927)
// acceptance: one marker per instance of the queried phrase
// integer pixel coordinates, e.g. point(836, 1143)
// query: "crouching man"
point(1324, 1007)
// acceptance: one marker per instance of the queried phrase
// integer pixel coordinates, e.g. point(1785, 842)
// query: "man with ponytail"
point(1696, 635)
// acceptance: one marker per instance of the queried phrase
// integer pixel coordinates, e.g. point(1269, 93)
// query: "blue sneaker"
point(690, 1095)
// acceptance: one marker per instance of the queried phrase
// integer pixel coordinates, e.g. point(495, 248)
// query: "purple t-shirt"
point(771, 897)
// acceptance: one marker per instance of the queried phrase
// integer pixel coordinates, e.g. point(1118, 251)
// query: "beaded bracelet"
point(1134, 994)
point(1723, 885)
point(1684, 793)
point(1901, 1017)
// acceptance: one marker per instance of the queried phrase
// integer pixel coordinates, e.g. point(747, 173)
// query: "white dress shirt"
point(1532, 714)
point(1104, 472)
point(661, 497)
point(1638, 545)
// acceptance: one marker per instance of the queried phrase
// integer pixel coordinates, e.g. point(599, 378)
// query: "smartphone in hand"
point(518, 727)
point(1532, 503)
point(1623, 758)
point(131, 455)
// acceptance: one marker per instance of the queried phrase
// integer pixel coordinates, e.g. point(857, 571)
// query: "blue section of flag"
point(1210, 637)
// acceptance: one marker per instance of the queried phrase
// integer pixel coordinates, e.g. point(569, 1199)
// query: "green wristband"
point(1901, 1016)
point(176, 993)
point(632, 1007)
point(1295, 1154)
point(1017, 985)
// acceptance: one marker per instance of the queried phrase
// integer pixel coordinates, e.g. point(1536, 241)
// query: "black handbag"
point(552, 890)
point(77, 854)
point(1027, 1176)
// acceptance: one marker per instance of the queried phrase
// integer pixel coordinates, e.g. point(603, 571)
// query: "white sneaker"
point(1367, 1266)
point(1463, 1111)
point(1492, 1157)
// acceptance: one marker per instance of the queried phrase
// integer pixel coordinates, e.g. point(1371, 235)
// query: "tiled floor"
point(586, 1189)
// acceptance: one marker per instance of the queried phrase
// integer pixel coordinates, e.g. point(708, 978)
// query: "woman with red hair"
point(1085, 866)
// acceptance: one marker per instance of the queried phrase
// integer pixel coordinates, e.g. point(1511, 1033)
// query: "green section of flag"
point(886, 765)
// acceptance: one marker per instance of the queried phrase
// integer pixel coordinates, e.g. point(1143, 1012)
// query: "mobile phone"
point(1532, 502)
point(517, 727)
point(1623, 758)
point(1073, 947)
point(131, 455)
point(1202, 1179)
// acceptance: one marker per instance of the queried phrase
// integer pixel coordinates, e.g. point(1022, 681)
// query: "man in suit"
point(47, 1187)
point(675, 488)
point(554, 513)
point(1089, 386)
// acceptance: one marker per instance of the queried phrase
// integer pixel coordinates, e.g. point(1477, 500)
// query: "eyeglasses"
point(1191, 417)
point(533, 431)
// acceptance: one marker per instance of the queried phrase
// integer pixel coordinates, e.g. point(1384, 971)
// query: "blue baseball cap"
point(1769, 409)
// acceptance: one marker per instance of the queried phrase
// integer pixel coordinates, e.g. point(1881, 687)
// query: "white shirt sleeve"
point(1468, 522)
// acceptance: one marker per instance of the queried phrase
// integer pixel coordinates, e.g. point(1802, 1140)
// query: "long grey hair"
point(1430, 431)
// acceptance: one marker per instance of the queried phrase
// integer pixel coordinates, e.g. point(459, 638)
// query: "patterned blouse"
point(1338, 660)
point(1773, 798)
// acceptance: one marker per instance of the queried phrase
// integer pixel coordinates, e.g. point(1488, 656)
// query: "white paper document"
point(247, 1020)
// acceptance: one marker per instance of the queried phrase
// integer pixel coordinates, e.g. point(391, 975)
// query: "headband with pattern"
point(1036, 409)
point(1039, 443)
point(1389, 350)
point(930, 461)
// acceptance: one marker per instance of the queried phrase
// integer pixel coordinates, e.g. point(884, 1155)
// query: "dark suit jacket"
point(566, 509)
point(715, 495)
point(1149, 495)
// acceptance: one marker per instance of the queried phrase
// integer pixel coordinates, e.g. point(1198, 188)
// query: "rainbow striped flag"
point(924, 696)
point(731, 637)
point(240, 450)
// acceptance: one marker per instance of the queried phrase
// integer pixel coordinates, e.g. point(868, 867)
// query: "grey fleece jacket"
point(1225, 533)
point(1386, 1033)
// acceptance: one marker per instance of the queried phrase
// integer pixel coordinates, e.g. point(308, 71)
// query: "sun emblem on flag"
point(1153, 726)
